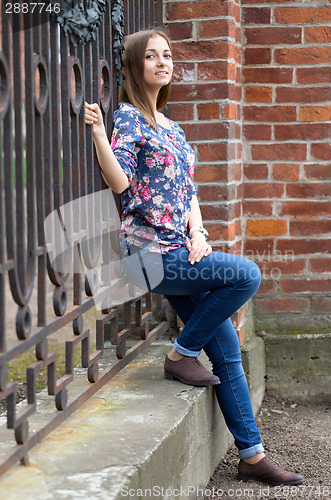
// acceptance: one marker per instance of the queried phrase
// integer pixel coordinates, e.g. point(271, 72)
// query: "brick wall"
point(287, 169)
point(252, 92)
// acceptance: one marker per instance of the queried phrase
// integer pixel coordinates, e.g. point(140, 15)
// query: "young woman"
point(151, 165)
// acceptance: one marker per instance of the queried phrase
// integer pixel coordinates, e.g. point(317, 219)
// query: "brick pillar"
point(287, 170)
point(206, 102)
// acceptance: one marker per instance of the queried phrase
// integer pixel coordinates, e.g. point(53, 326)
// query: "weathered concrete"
point(139, 431)
point(253, 358)
point(298, 366)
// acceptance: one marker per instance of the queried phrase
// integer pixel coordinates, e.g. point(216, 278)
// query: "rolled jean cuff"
point(185, 352)
point(250, 452)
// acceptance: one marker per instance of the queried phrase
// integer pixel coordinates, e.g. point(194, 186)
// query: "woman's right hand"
point(93, 116)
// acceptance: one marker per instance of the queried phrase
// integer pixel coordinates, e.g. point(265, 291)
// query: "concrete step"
point(139, 432)
point(298, 366)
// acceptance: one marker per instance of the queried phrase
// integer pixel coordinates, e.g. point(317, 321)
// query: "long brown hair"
point(133, 89)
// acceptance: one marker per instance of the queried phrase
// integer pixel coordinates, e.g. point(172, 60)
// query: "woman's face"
point(158, 64)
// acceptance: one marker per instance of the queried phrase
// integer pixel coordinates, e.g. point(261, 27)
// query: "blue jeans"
point(204, 296)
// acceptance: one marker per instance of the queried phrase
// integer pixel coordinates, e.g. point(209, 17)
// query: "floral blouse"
point(160, 167)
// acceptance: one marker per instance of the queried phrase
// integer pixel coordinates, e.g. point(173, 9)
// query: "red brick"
point(259, 248)
point(180, 112)
point(213, 70)
point(276, 305)
point(195, 10)
point(257, 132)
point(251, 15)
point(218, 232)
point(267, 286)
point(305, 208)
point(221, 212)
point(283, 267)
point(321, 304)
point(318, 34)
point(229, 111)
point(321, 151)
point(268, 75)
point(179, 31)
point(211, 173)
point(214, 28)
point(270, 113)
point(305, 55)
point(213, 152)
point(201, 51)
point(301, 15)
point(270, 35)
point(205, 131)
point(295, 94)
point(254, 208)
point(305, 285)
point(302, 131)
point(315, 113)
point(256, 171)
point(261, 1)
point(303, 246)
point(318, 171)
point(258, 94)
point(202, 92)
point(265, 227)
point(263, 190)
point(308, 190)
point(310, 75)
point(285, 172)
point(208, 111)
point(184, 72)
point(320, 265)
point(310, 227)
point(257, 55)
point(279, 151)
point(234, 11)
point(217, 193)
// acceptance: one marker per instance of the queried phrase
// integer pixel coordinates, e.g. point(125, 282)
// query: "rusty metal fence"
point(48, 159)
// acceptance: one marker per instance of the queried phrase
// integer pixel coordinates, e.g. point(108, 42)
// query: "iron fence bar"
point(61, 166)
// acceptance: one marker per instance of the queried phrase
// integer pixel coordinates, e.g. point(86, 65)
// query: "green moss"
point(296, 331)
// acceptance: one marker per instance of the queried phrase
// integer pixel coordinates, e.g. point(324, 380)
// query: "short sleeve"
point(125, 139)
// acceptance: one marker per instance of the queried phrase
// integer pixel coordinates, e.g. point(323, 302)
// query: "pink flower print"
point(150, 162)
point(143, 141)
point(191, 170)
point(113, 143)
point(146, 179)
point(170, 172)
point(169, 160)
point(165, 218)
point(134, 189)
point(145, 193)
point(168, 207)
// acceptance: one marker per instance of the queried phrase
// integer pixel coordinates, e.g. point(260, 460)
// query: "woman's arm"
point(111, 170)
point(197, 245)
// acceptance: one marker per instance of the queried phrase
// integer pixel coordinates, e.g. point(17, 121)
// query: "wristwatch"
point(198, 228)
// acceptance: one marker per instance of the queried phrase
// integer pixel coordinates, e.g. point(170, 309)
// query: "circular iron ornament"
point(105, 93)
point(41, 102)
point(22, 432)
point(23, 322)
point(91, 282)
point(59, 300)
point(77, 325)
point(42, 350)
point(76, 101)
point(5, 85)
point(61, 399)
point(78, 22)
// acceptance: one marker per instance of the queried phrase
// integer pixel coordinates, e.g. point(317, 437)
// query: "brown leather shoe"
point(189, 370)
point(267, 471)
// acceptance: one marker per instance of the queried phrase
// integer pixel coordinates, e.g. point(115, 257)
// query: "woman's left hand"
point(197, 247)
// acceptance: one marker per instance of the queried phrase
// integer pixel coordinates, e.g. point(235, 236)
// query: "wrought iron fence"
point(47, 160)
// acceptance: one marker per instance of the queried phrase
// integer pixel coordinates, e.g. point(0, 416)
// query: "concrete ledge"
point(298, 366)
point(139, 431)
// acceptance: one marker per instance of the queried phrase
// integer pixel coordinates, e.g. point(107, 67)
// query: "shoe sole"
point(170, 376)
point(272, 483)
